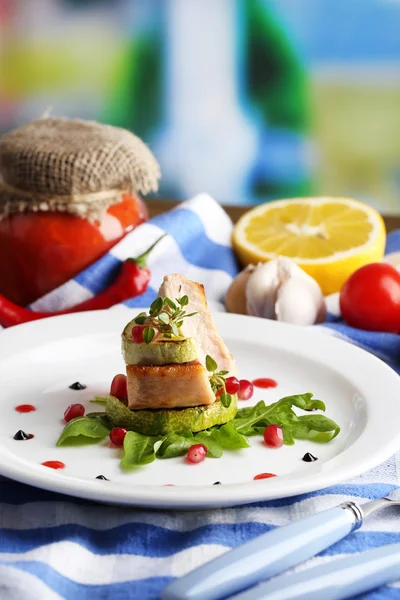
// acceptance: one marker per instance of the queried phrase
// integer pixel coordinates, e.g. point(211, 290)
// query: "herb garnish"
point(165, 316)
point(217, 381)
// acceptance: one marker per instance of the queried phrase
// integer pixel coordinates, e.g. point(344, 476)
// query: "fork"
point(274, 552)
point(338, 579)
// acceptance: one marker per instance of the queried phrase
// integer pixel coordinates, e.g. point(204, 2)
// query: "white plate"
point(39, 360)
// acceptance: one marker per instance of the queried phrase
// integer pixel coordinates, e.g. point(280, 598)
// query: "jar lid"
point(71, 165)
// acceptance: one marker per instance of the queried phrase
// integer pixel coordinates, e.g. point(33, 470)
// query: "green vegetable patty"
point(174, 420)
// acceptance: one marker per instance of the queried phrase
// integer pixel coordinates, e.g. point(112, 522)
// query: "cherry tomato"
point(370, 298)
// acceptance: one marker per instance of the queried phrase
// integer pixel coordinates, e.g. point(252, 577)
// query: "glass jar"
point(41, 250)
point(70, 189)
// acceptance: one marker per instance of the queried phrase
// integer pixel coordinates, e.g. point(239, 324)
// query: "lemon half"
point(329, 238)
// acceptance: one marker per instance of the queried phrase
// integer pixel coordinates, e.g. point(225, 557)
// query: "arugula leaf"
point(214, 448)
point(243, 413)
point(253, 420)
point(139, 449)
point(316, 428)
point(99, 400)
point(229, 438)
point(304, 401)
point(246, 418)
point(101, 417)
point(84, 430)
point(173, 445)
point(288, 437)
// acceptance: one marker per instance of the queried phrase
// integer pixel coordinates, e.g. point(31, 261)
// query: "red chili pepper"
point(131, 281)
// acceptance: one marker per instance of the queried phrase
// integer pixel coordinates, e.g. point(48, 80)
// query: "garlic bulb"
point(281, 290)
point(236, 296)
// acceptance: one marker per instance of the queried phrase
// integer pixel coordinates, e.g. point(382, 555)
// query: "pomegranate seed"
point(196, 453)
point(264, 476)
point(117, 436)
point(73, 411)
point(273, 436)
point(246, 389)
point(232, 385)
point(137, 333)
point(219, 392)
point(119, 387)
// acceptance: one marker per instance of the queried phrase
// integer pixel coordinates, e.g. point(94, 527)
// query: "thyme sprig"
point(218, 381)
point(165, 316)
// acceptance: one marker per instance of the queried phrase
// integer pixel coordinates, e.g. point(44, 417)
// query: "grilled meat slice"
point(201, 326)
point(168, 386)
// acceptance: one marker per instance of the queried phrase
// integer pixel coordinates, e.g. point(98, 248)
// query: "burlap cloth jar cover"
point(74, 166)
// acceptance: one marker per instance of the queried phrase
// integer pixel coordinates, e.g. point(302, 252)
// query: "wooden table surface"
point(157, 207)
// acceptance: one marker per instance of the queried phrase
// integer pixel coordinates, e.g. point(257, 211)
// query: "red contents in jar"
point(45, 249)
point(264, 476)
point(265, 383)
point(54, 464)
point(25, 408)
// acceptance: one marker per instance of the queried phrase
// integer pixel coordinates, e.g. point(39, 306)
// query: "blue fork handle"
point(339, 579)
point(265, 556)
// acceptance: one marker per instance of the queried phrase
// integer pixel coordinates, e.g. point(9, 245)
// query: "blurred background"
point(248, 100)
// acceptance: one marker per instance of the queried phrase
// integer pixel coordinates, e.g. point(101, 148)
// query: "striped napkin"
point(53, 546)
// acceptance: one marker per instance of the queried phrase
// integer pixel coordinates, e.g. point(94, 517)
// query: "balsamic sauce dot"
point(308, 457)
point(217, 483)
point(21, 435)
point(77, 386)
point(102, 477)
